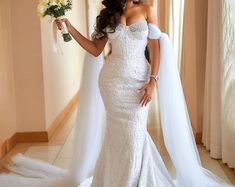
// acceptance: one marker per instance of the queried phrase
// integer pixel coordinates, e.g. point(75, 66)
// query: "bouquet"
point(56, 9)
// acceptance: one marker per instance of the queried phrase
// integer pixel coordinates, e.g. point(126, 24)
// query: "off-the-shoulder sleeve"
point(154, 31)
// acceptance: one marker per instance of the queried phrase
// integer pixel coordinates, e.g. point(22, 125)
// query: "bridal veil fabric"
point(177, 132)
point(176, 125)
point(90, 123)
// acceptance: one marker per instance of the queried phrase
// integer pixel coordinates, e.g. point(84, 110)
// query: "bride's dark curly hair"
point(109, 16)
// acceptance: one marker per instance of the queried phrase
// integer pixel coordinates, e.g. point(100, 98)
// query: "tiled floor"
point(59, 151)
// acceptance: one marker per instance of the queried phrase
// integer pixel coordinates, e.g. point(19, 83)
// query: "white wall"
point(7, 95)
point(36, 83)
point(194, 59)
point(188, 65)
point(62, 68)
point(94, 7)
point(27, 57)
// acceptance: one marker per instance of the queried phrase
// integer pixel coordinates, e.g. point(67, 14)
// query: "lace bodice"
point(126, 38)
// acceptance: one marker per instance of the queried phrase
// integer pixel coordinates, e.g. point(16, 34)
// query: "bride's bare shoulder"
point(144, 6)
point(150, 14)
point(146, 9)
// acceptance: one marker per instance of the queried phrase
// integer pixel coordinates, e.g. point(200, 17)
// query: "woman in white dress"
point(128, 157)
point(126, 84)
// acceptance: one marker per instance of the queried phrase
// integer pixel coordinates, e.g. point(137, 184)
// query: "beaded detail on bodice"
point(129, 41)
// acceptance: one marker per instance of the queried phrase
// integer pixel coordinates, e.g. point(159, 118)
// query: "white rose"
point(53, 2)
point(41, 9)
point(63, 2)
point(44, 2)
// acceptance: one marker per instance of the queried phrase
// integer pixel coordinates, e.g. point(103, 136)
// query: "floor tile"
point(19, 148)
point(63, 163)
point(43, 152)
point(213, 165)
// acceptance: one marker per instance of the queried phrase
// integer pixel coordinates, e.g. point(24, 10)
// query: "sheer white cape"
point(176, 126)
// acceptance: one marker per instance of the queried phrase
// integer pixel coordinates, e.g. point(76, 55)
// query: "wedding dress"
point(127, 156)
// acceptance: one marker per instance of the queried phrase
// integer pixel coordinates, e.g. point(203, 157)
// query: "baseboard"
point(198, 137)
point(44, 136)
point(63, 116)
point(228, 171)
point(3, 149)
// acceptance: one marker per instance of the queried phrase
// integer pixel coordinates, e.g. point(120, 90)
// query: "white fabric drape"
point(90, 124)
point(228, 84)
point(212, 107)
point(176, 15)
point(219, 110)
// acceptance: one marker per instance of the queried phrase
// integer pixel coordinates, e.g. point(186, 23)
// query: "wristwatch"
point(156, 77)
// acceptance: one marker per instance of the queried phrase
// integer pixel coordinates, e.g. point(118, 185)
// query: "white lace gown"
point(128, 156)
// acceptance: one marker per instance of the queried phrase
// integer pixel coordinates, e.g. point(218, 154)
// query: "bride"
point(128, 156)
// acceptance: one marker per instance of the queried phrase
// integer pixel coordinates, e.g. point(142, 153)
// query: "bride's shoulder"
point(145, 7)
point(150, 13)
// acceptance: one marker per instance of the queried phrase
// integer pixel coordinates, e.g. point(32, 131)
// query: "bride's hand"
point(148, 90)
point(59, 23)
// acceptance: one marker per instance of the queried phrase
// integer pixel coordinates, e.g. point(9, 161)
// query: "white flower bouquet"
point(56, 9)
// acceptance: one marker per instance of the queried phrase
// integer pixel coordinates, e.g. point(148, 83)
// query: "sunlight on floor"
point(59, 151)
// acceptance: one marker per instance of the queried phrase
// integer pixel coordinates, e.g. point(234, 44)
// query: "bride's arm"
point(154, 46)
point(154, 51)
point(95, 47)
